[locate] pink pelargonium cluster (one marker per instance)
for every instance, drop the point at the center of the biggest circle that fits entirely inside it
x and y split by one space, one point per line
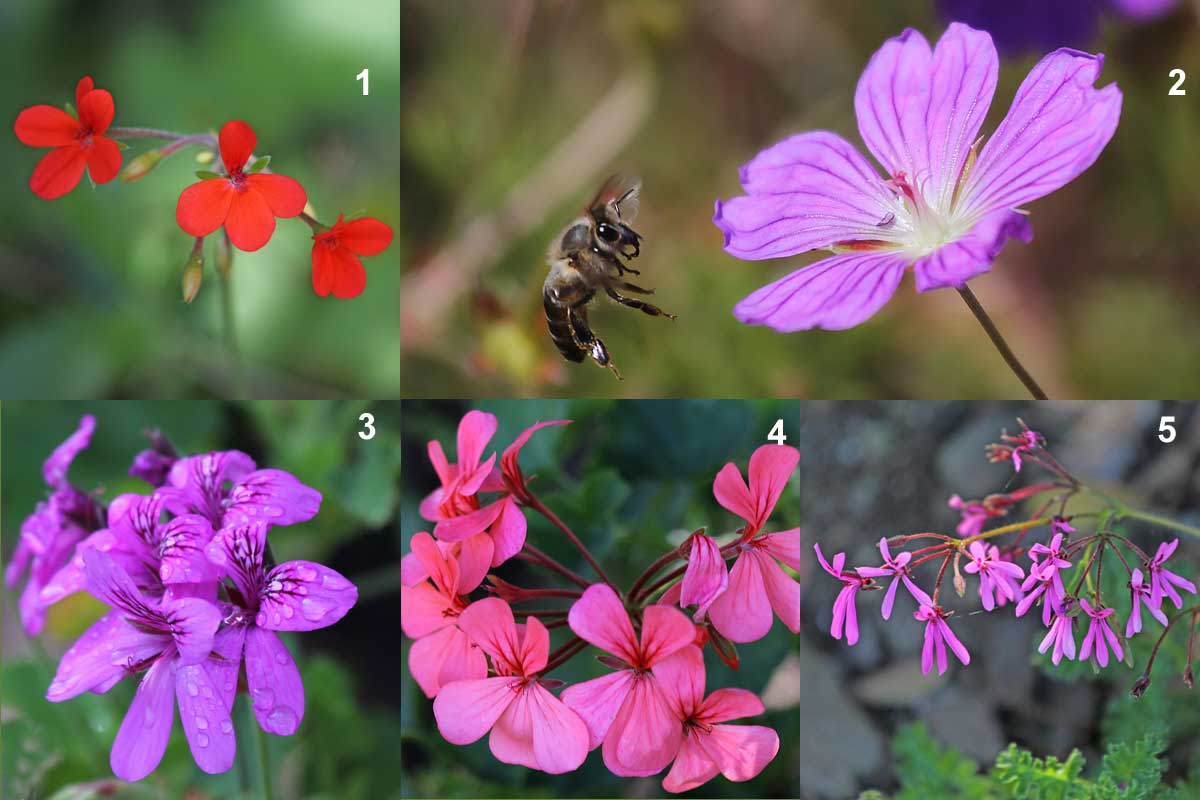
486 673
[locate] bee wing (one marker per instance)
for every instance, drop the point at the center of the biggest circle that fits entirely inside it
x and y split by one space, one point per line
621 191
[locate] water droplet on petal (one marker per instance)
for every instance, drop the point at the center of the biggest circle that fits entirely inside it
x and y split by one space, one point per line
201 723
313 609
282 720
306 573
278 618
202 740
275 586
149 720
207 690
192 688
226 726
260 620
264 698
289 612
281 658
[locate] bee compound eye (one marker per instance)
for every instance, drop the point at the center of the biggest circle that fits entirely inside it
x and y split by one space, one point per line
607 233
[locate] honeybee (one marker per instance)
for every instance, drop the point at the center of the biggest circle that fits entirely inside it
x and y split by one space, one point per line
586 258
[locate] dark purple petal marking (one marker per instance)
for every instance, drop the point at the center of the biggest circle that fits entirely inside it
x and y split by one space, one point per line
304 596
273 496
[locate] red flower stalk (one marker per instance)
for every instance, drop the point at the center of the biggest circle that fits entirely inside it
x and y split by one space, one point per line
77 142
335 264
246 204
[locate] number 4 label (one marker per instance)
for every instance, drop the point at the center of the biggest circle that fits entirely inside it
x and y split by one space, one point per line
776 434
1166 431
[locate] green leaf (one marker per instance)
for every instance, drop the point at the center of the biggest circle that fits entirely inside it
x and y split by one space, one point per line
70 109
259 165
121 145
206 175
1132 770
927 769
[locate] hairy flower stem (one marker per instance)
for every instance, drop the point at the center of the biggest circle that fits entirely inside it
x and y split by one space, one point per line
1155 519
230 335
312 223
539 507
533 594
658 584
670 557
1003 529
531 553
1005 351
1193 612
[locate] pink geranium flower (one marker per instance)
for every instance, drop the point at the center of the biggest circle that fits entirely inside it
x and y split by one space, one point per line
1140 593
528 724
898 567
997 578
757 584
429 613
1163 581
937 636
945 208
739 752
1044 578
845 618
1062 636
704 579
626 710
1098 633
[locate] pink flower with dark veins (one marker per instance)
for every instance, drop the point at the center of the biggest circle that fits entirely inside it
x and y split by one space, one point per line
944 208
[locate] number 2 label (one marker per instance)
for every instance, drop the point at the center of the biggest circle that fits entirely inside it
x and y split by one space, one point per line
1180 76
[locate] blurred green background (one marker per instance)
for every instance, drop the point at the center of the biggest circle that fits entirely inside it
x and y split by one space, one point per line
345 745
497 157
90 298
631 479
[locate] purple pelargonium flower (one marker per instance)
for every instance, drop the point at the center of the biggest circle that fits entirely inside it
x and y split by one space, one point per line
1140 593
226 488
173 641
898 567
293 596
1099 632
845 617
1062 636
49 535
937 636
946 208
998 579
1163 581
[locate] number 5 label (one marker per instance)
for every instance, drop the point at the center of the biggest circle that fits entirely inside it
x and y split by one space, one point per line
1166 431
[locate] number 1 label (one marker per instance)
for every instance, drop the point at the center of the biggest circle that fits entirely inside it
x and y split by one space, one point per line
365 77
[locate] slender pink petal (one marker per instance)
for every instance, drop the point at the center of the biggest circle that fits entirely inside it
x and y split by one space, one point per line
784 545
1057 126
597 702
444 657
927 649
144 732
474 559
726 704
681 679
205 717
771 465
892 103
422 610
782 590
740 751
507 532
664 631
466 710
957 647
835 293
692 766
441 465
474 432
511 739
276 690
732 492
672 595
645 736
743 612
100 656
560 738
490 624
455 529
509 462
807 192
599 618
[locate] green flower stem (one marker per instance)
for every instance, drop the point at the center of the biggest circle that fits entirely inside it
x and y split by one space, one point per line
230 335
538 506
1003 529
264 763
531 553
1002 347
1155 519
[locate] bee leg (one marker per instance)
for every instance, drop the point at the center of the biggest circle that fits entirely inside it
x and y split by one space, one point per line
646 308
593 346
622 269
629 287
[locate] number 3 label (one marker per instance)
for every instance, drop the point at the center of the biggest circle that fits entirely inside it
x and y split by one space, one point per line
368 431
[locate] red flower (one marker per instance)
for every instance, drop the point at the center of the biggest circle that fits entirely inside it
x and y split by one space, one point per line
76 142
246 205
335 255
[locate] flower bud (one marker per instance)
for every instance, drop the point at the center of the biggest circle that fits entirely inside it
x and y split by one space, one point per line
1188 678
224 257
1140 686
193 274
205 157
138 167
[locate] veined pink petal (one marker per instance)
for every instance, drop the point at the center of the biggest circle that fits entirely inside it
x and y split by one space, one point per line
144 732
305 596
421 610
681 679
672 595
441 465
956 646
692 766
1057 126
89 665
645 736
664 631
490 624
807 192
466 710
276 690
205 718
509 459
927 649
442 571
892 101
706 576
511 739
411 571
784 545
771 465
782 591
726 704
560 738
507 532
743 611
599 618
474 559
455 529
474 432
952 265
597 702
740 751
535 646
444 657
835 293
732 492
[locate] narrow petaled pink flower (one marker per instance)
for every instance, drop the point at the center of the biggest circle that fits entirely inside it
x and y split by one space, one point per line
1062 636
997 578
1044 577
626 710
945 208
771 466
739 752
844 615
429 613
1163 581
705 577
937 636
1140 593
510 465
974 515
898 567
528 724
1098 633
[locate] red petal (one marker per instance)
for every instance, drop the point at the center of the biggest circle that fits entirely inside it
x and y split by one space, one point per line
367 236
104 159
250 222
46 126
84 86
203 206
58 172
96 110
237 143
337 270
284 195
